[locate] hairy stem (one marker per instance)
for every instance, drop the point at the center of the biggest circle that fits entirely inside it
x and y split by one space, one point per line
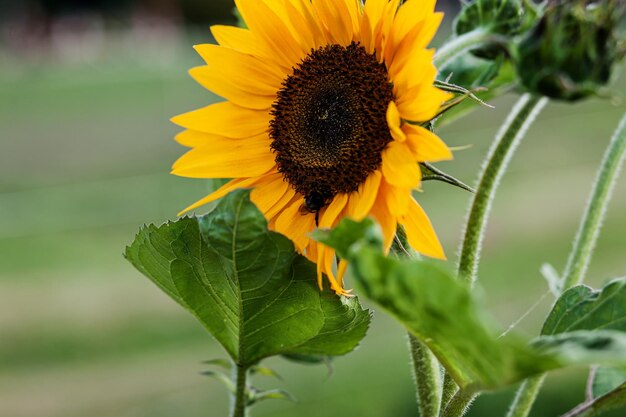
507 140
238 399
426 370
509 137
590 226
427 376
459 403
581 253
459 45
525 397
449 389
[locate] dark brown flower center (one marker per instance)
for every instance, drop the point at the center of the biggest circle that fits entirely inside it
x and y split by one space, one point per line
329 127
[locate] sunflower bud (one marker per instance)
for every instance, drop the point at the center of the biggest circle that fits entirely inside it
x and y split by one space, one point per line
504 18
572 50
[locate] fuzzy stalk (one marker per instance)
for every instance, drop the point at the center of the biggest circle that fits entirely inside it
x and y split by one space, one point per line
582 251
238 406
606 178
427 375
459 403
507 140
459 45
426 369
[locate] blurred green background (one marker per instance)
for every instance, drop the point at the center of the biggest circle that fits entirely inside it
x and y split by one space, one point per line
85 150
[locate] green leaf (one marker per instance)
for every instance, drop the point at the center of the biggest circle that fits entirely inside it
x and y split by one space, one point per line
582 308
584 347
438 309
247 285
607 380
443 313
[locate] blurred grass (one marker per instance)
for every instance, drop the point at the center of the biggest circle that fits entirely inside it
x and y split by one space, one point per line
84 161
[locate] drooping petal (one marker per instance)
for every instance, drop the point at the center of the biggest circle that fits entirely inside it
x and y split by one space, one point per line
421 103
420 232
226 119
360 202
396 198
264 196
399 167
425 145
295 224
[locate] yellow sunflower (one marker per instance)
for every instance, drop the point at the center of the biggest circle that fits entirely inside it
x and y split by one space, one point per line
319 94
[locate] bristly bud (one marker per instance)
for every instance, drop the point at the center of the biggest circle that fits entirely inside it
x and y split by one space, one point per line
571 52
501 18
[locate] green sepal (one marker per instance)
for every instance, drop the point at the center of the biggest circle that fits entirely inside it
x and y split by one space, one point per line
430 173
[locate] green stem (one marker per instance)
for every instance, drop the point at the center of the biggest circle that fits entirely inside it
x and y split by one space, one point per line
459 45
507 141
427 376
525 397
459 403
426 370
590 226
449 389
238 400
580 256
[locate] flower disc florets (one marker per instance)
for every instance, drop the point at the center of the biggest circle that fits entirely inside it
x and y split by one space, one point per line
329 127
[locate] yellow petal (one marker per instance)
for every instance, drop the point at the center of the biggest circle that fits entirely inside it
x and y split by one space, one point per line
425 145
265 195
227 159
269 28
360 203
420 232
233 90
396 198
372 12
253 74
226 119
387 222
341 271
421 103
305 8
296 224
394 122
412 70
241 40
399 167
336 19
329 215
222 191
325 262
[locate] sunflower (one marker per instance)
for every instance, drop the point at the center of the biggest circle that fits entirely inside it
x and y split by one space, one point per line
323 100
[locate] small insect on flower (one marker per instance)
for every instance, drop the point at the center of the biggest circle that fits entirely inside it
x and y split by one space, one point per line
318 99
313 203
